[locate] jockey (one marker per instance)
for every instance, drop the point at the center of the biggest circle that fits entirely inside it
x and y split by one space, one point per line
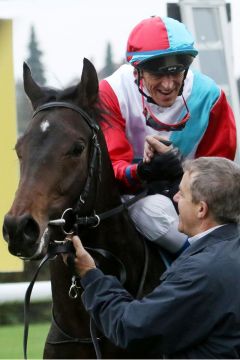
158 96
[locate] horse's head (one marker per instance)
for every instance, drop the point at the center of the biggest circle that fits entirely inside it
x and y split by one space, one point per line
54 153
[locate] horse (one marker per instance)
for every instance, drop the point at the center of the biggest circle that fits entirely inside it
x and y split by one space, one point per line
66 173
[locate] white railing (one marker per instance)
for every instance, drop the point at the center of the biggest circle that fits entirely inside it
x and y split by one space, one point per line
15 292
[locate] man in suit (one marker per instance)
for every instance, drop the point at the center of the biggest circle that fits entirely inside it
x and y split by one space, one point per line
194 312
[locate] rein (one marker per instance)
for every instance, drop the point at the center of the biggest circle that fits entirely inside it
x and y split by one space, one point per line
56 248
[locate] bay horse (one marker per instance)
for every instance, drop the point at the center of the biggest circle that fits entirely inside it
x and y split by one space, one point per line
64 163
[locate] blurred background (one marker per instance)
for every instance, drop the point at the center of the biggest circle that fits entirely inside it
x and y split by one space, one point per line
53 37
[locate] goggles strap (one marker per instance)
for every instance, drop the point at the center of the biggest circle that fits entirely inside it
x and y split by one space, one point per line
155 123
184 77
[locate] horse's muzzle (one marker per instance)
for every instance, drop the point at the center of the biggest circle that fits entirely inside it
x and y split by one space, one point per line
22 234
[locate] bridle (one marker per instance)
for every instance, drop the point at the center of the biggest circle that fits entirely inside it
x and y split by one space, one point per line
96 151
88 221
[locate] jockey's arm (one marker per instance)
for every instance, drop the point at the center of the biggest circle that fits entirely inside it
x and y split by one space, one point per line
119 148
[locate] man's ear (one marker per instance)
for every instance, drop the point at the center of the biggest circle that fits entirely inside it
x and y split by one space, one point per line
203 210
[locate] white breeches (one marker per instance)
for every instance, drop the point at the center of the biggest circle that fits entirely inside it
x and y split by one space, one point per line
156 218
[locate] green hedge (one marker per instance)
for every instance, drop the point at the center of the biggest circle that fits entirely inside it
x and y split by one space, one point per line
14 313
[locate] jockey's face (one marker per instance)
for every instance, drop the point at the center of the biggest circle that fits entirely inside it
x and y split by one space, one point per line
163 89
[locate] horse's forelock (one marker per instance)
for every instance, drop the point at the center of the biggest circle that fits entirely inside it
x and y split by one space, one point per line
68 95
49 94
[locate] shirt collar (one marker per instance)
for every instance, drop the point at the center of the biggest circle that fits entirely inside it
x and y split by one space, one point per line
194 238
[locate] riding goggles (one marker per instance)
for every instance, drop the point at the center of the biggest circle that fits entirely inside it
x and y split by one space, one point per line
167 70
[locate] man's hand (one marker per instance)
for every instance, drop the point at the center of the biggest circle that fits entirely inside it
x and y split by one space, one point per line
83 261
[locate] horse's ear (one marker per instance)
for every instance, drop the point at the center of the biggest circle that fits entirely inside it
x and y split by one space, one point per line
87 89
32 89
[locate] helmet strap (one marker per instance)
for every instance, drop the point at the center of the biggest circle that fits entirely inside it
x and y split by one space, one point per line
184 77
138 82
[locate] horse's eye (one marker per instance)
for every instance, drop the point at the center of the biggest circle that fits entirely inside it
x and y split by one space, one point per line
76 150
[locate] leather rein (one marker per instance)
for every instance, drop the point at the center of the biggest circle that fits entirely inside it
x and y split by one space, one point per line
59 247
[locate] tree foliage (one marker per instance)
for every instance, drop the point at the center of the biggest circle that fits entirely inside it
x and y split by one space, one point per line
24 108
109 66
109 60
34 59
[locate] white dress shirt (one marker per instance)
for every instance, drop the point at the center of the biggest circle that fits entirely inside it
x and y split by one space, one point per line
194 238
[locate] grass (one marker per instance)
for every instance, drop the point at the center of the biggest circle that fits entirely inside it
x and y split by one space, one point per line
11 341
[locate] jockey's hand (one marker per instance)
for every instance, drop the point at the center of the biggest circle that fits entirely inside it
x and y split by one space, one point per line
155 144
83 262
166 166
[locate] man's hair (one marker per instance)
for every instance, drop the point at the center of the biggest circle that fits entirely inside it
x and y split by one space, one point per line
216 181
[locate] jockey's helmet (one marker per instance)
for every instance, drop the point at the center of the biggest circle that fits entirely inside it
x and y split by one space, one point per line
160 45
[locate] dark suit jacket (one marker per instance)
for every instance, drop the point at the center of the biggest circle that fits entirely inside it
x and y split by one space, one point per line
193 313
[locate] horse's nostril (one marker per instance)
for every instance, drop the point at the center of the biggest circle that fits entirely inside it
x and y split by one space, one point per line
30 230
20 231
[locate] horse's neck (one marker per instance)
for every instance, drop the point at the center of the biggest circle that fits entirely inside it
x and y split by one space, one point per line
115 234
65 309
